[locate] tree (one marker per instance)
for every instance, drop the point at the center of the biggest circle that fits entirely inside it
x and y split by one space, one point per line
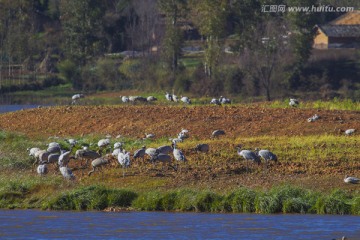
209 16
268 54
82 21
173 39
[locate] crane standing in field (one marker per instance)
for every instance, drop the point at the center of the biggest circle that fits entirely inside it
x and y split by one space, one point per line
124 160
42 169
248 155
75 98
98 163
178 155
266 155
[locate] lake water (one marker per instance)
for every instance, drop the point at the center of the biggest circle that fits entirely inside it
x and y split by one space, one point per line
12 108
34 224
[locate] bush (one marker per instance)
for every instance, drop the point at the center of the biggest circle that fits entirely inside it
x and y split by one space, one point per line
207 202
121 198
150 201
336 203
91 198
242 200
186 200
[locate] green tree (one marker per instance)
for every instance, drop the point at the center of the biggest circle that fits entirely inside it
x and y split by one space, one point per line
173 39
209 16
82 21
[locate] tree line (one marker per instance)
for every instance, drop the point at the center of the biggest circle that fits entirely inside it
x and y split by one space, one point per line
244 49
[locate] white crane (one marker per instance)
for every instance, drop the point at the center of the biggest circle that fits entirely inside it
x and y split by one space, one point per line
353 180
149 135
350 131
185 100
215 101
151 99
75 98
168 96
124 99
293 102
224 100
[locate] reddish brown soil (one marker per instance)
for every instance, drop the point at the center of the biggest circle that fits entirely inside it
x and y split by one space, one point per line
236 121
134 121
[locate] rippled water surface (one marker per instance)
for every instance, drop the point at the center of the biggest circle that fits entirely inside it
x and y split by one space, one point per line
33 224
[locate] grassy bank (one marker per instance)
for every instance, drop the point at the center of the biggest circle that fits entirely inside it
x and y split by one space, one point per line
281 199
20 187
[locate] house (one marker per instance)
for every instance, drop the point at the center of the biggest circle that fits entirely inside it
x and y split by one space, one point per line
343 32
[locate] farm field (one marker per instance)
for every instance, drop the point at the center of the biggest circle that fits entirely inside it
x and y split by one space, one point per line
312 155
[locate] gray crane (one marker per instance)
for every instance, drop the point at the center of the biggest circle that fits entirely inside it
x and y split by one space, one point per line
42 169
202 147
266 155
248 155
178 155
41 156
124 160
353 180
140 153
98 163
64 158
67 173
217 133
86 154
163 158
53 149
103 143
151 152
165 149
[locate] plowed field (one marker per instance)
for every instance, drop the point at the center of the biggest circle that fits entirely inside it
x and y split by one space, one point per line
134 121
236 121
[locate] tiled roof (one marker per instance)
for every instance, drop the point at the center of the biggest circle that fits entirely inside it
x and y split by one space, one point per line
350 18
341 30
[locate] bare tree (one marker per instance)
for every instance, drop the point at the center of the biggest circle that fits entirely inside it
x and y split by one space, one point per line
268 54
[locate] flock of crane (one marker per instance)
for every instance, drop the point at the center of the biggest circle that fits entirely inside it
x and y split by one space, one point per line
169 155
55 155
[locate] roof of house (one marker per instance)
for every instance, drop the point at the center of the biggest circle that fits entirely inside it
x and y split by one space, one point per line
349 18
340 30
